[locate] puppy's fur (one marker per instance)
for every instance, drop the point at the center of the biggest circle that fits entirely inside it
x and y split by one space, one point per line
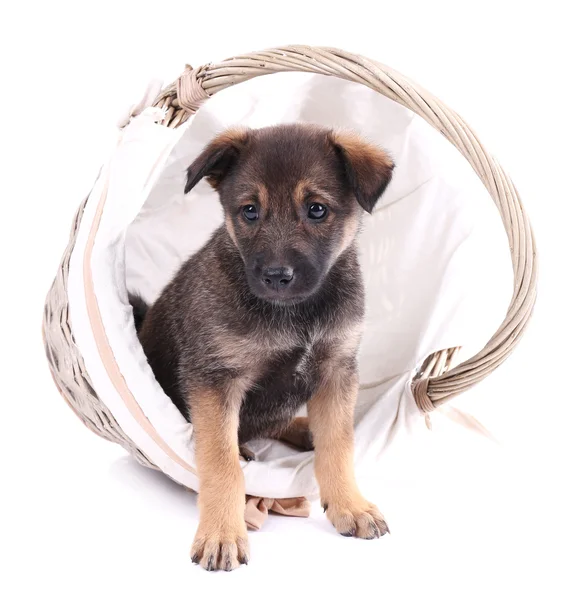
267 317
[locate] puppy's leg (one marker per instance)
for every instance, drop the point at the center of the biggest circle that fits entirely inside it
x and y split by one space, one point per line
221 540
330 414
298 434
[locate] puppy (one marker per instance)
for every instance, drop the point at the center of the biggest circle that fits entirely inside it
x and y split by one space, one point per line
267 318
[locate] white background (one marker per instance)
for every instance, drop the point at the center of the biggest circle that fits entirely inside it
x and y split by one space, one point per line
469 518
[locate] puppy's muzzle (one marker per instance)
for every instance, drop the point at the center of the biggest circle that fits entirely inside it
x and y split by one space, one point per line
277 278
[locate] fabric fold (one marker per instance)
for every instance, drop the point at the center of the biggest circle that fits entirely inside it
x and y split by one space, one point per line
257 509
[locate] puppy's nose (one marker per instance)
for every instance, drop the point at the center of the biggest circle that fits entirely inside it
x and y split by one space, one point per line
277 277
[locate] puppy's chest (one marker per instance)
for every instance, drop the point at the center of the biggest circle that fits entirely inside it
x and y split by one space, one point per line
286 357
285 360
297 353
286 374
299 362
258 350
286 382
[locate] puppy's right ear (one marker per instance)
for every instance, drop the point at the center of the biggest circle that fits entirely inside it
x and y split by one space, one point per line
216 159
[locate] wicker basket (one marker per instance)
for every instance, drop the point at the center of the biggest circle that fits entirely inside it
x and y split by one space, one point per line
436 382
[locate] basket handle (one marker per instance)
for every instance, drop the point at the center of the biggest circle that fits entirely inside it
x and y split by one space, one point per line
431 388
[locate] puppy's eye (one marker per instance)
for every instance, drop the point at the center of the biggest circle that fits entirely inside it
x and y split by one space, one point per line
316 211
250 212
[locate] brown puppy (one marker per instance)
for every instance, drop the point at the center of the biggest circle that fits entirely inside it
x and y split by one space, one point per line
267 317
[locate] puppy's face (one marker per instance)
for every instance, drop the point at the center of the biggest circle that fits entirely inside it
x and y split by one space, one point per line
292 196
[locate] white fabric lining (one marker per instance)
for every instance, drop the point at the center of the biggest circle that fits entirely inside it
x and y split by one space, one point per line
433 253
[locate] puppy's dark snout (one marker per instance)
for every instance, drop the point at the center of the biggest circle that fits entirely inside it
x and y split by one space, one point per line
277 277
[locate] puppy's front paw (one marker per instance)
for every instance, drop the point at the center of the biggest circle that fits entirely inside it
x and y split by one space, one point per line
357 518
226 548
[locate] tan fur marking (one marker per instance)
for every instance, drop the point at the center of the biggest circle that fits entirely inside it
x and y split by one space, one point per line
221 539
331 420
351 227
363 154
370 167
306 186
263 196
234 136
300 191
230 229
298 434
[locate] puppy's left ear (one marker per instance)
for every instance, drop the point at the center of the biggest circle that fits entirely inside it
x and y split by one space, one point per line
367 168
217 158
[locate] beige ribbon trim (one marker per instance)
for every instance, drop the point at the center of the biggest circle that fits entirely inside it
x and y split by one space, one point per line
257 509
467 421
104 348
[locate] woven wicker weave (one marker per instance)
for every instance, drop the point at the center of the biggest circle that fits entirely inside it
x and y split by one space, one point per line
436 382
